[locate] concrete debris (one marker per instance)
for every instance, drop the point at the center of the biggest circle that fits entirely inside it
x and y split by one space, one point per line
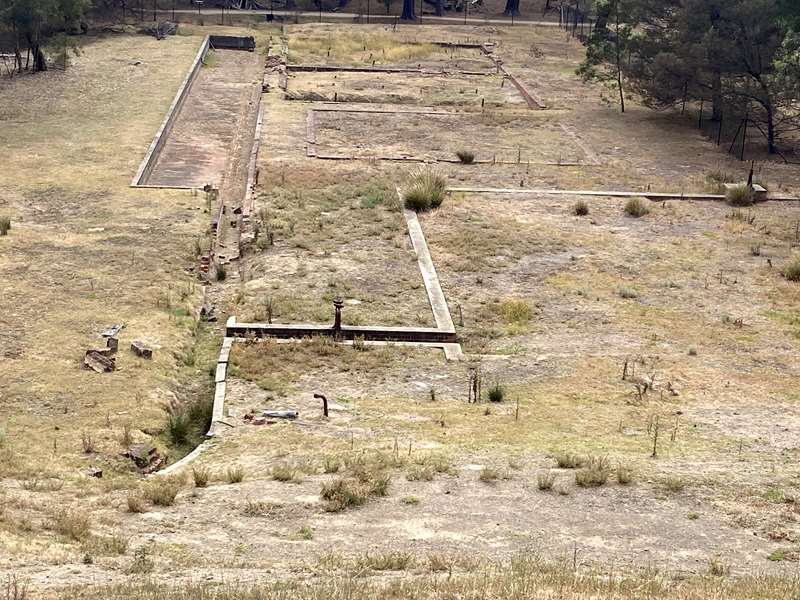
141 350
145 457
102 360
113 330
207 313
281 414
161 30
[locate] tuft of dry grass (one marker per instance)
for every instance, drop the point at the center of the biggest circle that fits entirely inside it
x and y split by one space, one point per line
162 490
739 195
545 481
426 190
201 476
636 207
71 523
791 270
594 473
234 474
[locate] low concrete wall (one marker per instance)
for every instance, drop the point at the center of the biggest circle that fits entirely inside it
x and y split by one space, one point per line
348 332
149 161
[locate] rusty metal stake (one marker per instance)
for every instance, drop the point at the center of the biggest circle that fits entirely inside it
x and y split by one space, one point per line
324 403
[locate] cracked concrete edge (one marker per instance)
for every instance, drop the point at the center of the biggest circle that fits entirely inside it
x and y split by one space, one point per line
658 196
441 312
159 139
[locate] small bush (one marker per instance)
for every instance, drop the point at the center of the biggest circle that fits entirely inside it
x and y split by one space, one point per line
545 481
5 225
305 533
420 473
467 157
674 484
569 460
717 568
624 474
791 270
489 474
627 293
331 465
286 473
342 493
496 393
515 312
580 208
426 190
261 508
636 207
201 476
594 473
234 474
72 524
135 503
161 491
739 195
409 500
179 428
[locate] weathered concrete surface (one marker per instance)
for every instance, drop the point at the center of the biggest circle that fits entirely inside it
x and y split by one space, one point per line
199 146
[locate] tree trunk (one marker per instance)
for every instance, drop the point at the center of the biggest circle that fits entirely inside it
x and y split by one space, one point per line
439 8
409 14
770 129
39 62
716 97
512 8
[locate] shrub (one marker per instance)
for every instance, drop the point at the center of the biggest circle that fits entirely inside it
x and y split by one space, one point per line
5 225
569 460
342 493
409 500
136 503
489 474
201 476
234 474
674 484
791 270
627 293
286 472
426 190
624 474
580 208
467 157
739 195
420 473
545 481
496 393
717 568
72 524
178 428
636 207
161 491
594 473
331 465
515 311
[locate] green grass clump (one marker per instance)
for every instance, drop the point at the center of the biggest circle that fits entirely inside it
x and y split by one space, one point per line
636 207
739 195
426 190
515 311
496 393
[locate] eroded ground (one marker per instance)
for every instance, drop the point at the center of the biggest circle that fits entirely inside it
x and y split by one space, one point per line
549 306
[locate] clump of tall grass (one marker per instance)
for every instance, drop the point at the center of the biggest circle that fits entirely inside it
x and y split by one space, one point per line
426 190
739 195
5 225
791 270
636 207
466 157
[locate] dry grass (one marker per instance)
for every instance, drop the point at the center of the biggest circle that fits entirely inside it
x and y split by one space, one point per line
358 48
522 578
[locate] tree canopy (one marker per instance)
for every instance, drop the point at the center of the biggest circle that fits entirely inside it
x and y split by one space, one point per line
32 22
739 56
